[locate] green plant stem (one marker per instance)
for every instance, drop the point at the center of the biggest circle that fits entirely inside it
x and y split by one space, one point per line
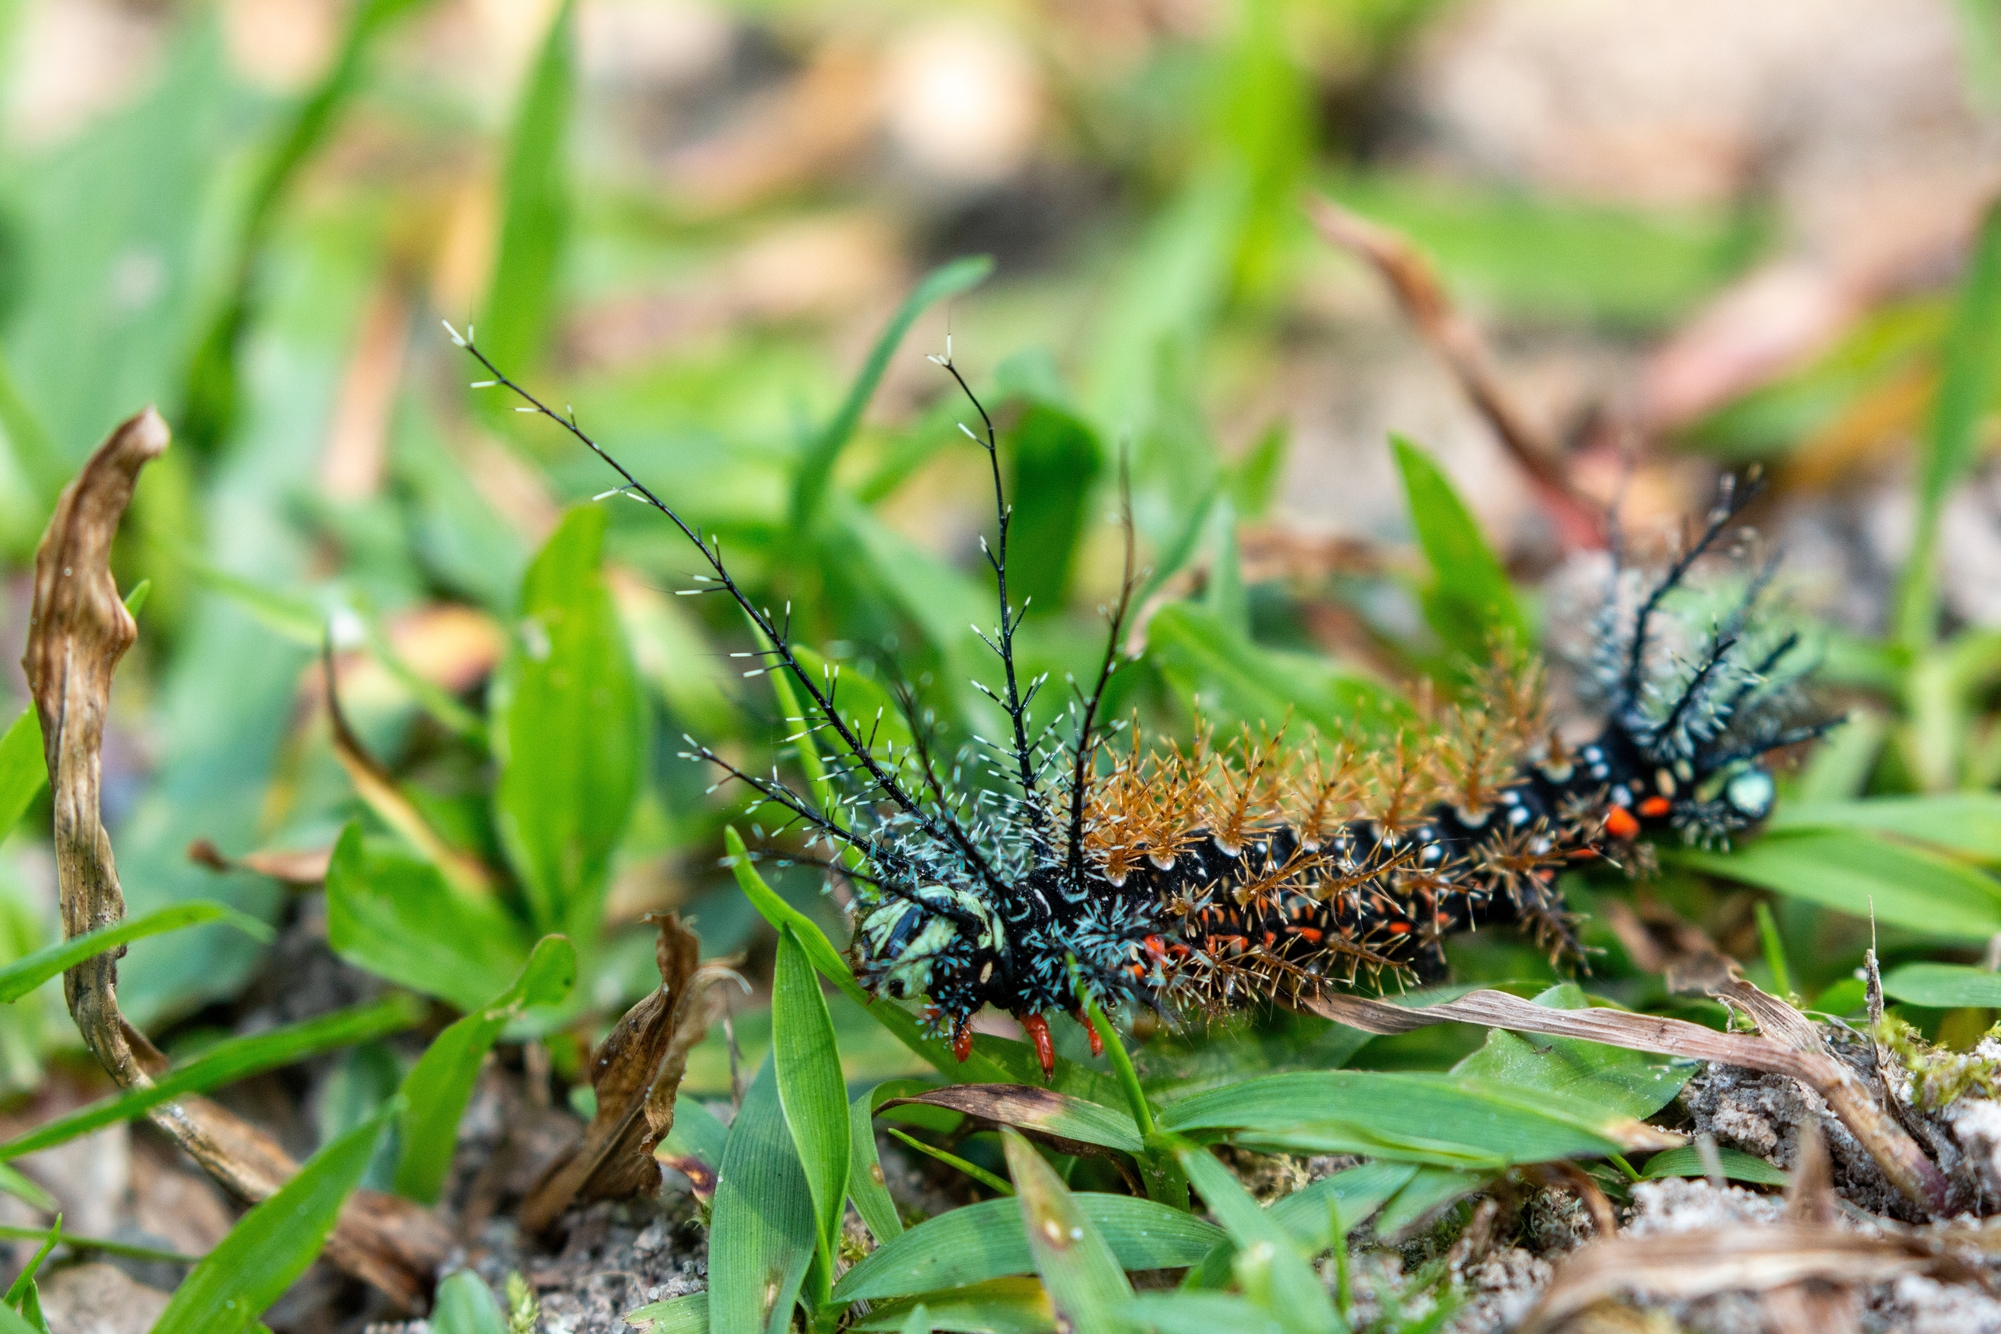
1122 1063
1775 948
973 1170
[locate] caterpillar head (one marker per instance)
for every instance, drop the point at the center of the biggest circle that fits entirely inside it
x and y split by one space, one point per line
936 941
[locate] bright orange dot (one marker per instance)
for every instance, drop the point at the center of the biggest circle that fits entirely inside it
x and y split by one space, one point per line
1654 807
1619 823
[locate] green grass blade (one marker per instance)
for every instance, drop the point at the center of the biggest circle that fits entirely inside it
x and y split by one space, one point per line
1469 602
103 1244
1737 1166
236 1059
1238 681
1584 1075
678 1315
1943 986
816 466
810 1087
24 771
866 1186
1863 876
1003 1306
761 1229
1199 1313
22 976
1122 1061
1305 1214
24 1281
465 1305
1968 823
978 1242
272 1244
439 1086
536 209
1952 444
1292 1291
1082 1276
21 1187
952 1160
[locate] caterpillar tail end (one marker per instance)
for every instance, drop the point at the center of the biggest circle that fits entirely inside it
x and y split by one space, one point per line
1045 1046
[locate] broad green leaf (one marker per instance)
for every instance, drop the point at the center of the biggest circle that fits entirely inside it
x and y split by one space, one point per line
1968 823
1972 355
761 1226
225 1063
1002 1306
1423 1196
1057 459
568 730
1469 602
1082 1275
22 976
1577 1074
1200 1313
1943 986
1401 1115
697 1131
439 1087
274 1243
677 1315
535 209
465 1305
982 1241
393 915
24 771
1737 1165
816 465
13 1322
1235 680
1864 876
866 1187
824 957
1290 1289
919 1320
809 1083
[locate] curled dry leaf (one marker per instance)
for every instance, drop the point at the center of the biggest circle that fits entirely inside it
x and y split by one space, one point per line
1458 343
1701 1263
1788 1044
78 631
295 868
635 1073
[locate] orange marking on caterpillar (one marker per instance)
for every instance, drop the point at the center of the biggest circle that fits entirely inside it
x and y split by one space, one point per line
1045 1047
1619 823
1654 807
962 1042
1091 1031
1310 934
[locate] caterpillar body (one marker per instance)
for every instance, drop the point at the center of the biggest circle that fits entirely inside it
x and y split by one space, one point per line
1273 864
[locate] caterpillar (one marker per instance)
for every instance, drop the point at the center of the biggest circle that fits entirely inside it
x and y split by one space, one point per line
1079 861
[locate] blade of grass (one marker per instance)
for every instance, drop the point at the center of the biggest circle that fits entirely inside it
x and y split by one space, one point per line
1293 1291
24 1282
866 1187
1469 601
678 1315
24 769
978 1242
223 1064
536 211
12 1182
1966 388
1774 948
762 1226
810 1087
22 976
274 1243
439 1087
104 1244
816 465
1085 1283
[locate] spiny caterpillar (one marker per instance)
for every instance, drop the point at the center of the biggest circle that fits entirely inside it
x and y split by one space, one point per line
1222 875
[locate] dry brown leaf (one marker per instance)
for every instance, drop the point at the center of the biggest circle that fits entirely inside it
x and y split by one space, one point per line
1682 1265
1789 1045
635 1073
301 868
379 789
78 631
